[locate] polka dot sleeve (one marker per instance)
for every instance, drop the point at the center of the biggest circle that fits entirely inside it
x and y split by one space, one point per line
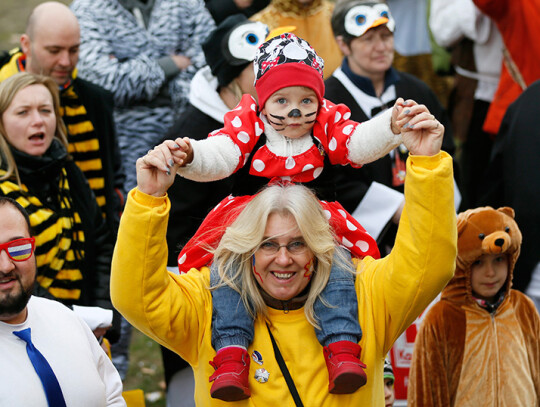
333 129
243 126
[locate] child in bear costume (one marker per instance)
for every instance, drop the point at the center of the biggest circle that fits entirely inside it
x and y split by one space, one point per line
480 344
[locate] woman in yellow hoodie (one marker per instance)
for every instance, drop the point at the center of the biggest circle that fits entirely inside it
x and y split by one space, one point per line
286 244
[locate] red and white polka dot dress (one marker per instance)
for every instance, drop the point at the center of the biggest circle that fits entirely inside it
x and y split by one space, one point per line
244 127
332 129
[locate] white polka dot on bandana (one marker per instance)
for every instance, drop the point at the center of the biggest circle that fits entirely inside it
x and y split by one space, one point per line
363 245
347 130
290 163
346 242
243 137
333 144
258 130
237 122
258 165
182 259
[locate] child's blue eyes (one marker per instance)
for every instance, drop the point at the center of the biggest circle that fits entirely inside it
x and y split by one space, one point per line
283 101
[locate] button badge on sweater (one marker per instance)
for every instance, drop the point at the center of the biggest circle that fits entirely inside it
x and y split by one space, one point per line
257 357
262 375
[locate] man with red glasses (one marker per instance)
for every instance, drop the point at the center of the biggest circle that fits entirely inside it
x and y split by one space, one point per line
49 355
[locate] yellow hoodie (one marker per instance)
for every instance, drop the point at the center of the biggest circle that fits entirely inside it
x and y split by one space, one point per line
176 311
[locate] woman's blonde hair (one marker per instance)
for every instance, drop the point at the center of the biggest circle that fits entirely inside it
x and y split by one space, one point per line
242 239
8 90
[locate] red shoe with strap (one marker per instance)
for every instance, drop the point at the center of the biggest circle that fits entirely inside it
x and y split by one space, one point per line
345 370
231 375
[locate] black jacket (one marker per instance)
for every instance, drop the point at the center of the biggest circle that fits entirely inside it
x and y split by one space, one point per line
99 106
353 183
513 177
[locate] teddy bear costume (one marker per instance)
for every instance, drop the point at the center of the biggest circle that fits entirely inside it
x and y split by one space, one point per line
467 352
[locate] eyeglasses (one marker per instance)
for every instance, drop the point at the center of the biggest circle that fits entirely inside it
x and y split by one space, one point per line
294 247
19 249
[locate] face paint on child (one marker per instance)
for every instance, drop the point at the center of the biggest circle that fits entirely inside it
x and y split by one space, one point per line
292 111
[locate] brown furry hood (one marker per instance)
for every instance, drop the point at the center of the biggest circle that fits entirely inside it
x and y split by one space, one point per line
482 231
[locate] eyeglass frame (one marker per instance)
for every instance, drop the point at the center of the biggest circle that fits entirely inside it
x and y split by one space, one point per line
5 246
277 247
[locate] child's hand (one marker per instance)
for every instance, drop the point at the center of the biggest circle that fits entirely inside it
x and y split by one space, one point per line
156 169
421 131
399 106
184 146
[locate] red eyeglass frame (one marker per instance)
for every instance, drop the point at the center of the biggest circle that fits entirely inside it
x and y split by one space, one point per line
5 246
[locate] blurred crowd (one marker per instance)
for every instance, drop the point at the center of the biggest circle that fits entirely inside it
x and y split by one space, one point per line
112 79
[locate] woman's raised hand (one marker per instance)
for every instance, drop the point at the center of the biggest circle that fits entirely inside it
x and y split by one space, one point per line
421 131
156 169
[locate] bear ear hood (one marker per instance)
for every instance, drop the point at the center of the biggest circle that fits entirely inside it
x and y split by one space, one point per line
483 231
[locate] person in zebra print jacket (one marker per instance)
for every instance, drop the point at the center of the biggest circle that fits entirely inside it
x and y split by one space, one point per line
146 54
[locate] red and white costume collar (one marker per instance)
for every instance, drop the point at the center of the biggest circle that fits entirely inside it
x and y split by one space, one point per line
298 160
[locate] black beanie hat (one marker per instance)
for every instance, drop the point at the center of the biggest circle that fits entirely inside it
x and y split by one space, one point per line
232 46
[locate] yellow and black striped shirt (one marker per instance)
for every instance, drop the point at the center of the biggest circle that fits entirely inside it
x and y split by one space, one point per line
83 144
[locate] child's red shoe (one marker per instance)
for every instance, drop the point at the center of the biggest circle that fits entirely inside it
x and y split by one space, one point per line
345 370
231 375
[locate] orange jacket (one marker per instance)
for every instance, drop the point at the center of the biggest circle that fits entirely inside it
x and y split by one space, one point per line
518 23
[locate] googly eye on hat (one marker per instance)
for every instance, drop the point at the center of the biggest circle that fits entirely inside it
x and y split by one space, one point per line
232 46
354 18
241 43
361 18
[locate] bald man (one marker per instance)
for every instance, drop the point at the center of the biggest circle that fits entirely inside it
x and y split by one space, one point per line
50 47
51 42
